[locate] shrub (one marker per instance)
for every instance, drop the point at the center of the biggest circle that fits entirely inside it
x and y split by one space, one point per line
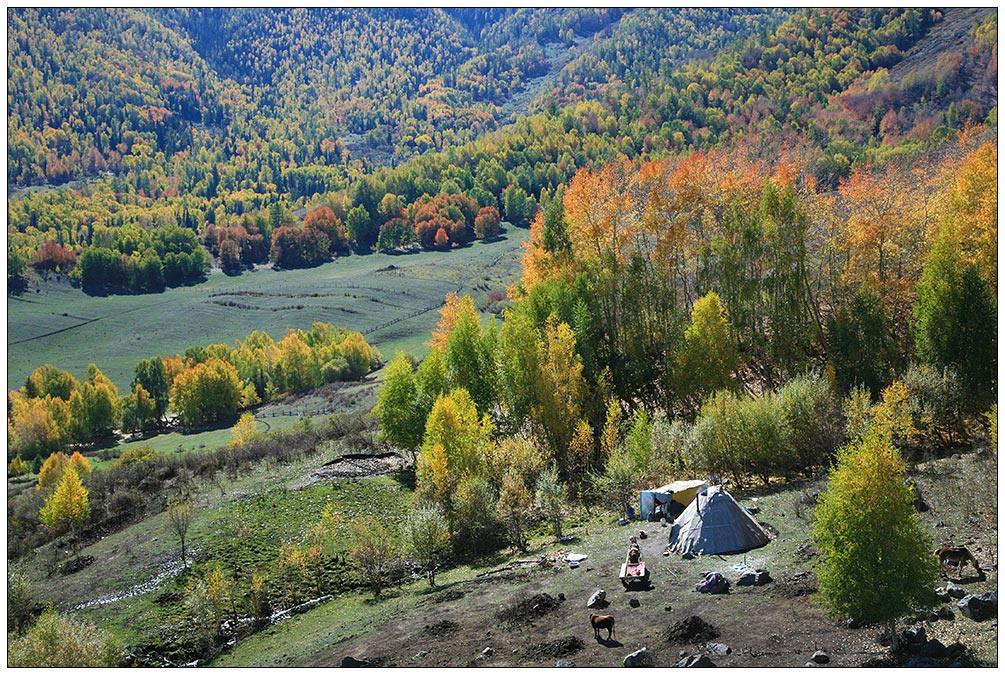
57 641
473 518
371 551
426 537
812 421
935 398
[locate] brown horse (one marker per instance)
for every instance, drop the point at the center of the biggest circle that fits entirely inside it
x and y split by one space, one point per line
602 622
958 556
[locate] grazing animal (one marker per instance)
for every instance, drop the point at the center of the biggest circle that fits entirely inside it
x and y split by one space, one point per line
959 556
602 622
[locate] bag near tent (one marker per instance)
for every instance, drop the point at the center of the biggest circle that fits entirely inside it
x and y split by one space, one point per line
715 524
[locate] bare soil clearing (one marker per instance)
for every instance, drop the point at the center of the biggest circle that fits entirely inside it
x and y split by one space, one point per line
518 615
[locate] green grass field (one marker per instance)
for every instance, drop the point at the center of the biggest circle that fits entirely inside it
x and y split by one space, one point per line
394 308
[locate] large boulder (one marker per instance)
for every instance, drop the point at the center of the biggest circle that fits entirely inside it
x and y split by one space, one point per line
639 658
598 600
979 608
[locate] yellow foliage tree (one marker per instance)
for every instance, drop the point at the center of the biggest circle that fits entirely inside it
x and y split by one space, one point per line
560 389
244 431
68 506
973 210
52 470
453 308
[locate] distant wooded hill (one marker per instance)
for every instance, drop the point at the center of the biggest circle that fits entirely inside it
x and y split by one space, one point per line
228 122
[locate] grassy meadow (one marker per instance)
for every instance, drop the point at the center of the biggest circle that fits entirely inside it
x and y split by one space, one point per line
391 299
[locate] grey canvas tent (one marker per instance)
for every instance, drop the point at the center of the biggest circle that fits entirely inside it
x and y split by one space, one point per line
714 524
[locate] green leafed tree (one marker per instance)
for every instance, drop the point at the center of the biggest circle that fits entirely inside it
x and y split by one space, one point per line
401 421
956 323
470 360
151 375
708 356
875 556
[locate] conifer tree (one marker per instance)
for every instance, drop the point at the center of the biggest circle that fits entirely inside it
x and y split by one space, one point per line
875 556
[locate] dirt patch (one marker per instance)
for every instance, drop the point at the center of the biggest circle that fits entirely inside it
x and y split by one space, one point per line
75 565
441 628
449 595
526 611
806 552
168 598
691 630
563 647
799 584
359 465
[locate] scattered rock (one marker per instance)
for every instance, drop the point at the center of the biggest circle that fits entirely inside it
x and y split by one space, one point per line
913 637
487 652
634 603
565 663
979 608
933 648
598 600
561 597
954 456
945 613
690 630
820 657
639 658
422 653
955 591
810 664
695 661
853 623
350 661
754 578
718 649
668 608
940 524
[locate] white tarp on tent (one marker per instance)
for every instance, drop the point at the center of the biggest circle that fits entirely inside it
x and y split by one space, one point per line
715 524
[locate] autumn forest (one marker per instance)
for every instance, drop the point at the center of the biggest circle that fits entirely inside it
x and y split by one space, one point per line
567 254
